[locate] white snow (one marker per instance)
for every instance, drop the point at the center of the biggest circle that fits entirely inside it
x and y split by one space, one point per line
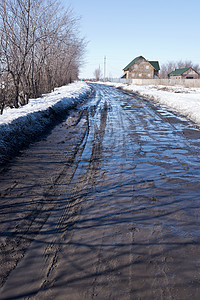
66 95
184 101
19 126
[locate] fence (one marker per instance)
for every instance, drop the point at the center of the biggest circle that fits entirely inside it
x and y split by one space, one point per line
167 82
120 80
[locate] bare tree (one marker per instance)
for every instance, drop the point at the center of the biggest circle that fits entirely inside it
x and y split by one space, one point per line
40 47
97 73
15 40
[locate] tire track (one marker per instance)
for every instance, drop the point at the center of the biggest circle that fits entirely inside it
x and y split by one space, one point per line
14 247
76 191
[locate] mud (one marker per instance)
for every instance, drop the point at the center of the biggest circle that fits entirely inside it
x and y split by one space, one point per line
105 207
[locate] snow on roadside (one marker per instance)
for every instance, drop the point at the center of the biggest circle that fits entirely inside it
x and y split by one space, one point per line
185 101
19 126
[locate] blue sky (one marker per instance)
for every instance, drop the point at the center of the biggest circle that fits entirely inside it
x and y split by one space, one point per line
121 30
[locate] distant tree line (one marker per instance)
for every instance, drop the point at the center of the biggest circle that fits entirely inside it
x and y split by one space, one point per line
171 65
40 49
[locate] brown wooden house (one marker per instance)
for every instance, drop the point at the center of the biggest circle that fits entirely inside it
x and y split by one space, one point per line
140 68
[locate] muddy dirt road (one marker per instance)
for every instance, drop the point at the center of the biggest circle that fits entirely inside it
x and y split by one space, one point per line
107 206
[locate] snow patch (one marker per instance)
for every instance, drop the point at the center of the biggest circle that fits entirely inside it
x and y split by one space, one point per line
20 126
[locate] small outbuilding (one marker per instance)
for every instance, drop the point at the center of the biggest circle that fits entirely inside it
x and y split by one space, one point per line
140 68
184 73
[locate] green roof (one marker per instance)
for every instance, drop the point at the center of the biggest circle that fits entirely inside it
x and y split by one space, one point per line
155 64
179 71
132 62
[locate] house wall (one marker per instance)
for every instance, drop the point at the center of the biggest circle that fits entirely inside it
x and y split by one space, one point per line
176 77
191 73
141 69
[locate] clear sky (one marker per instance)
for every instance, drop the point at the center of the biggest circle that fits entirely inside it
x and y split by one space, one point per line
122 30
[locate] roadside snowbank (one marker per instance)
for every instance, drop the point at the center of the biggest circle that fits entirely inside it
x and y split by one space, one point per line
20 126
185 101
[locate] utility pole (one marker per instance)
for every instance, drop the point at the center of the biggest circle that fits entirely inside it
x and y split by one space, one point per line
104 68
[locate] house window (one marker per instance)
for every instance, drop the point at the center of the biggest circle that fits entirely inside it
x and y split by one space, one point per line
135 66
140 75
147 67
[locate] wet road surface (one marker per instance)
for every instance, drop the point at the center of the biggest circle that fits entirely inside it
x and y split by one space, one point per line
107 206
